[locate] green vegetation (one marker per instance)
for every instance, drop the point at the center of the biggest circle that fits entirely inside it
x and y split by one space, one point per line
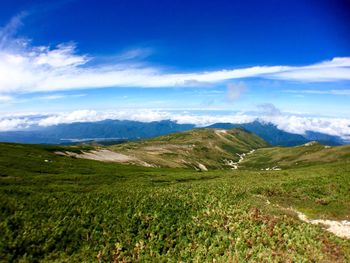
61 209
298 156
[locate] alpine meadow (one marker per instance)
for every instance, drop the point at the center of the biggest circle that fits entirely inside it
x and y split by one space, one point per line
174 131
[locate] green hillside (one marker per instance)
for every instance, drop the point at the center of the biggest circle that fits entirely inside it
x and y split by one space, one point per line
199 148
298 156
208 149
60 209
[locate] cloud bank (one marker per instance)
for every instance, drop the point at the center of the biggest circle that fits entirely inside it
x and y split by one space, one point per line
287 122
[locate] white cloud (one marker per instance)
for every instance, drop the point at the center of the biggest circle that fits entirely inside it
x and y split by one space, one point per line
26 69
287 122
61 57
309 74
299 125
44 69
15 123
75 116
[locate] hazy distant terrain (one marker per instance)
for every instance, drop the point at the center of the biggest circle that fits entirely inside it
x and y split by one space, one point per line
114 130
103 130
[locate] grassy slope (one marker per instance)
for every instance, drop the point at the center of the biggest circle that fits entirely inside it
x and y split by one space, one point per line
73 210
187 149
298 156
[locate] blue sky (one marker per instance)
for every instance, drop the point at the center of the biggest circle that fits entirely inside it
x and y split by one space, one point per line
219 57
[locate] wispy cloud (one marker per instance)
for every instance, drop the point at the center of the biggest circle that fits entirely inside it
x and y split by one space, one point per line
26 69
135 53
51 97
342 92
59 96
7 33
234 91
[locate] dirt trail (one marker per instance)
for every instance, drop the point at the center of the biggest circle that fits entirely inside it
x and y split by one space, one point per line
339 228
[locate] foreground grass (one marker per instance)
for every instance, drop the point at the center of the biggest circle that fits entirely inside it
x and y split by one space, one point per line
54 208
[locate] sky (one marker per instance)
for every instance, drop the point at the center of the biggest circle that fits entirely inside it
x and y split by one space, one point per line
285 62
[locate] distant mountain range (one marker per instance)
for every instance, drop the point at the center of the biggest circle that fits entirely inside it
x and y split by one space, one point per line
98 131
121 130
